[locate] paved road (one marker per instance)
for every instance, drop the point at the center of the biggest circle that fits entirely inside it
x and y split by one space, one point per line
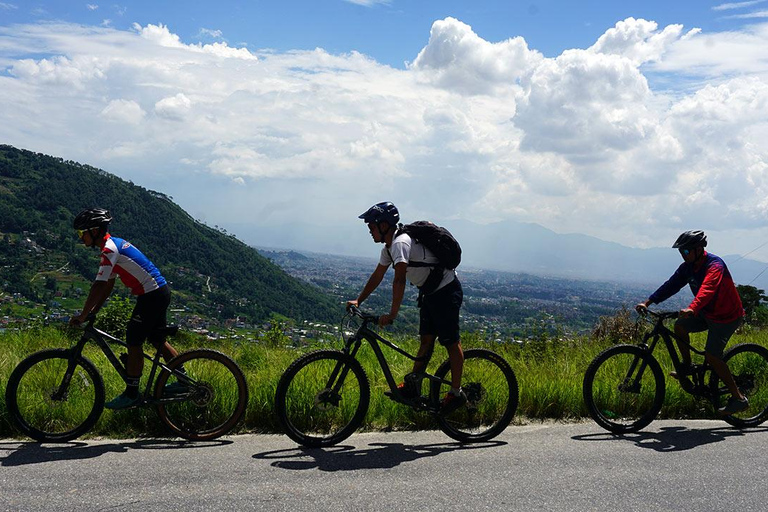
673 465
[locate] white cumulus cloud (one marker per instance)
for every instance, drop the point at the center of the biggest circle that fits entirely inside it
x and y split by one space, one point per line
648 131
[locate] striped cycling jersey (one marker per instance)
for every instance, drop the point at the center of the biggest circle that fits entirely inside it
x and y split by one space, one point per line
135 270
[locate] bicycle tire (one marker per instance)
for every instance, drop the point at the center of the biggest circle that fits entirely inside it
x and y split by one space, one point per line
215 398
492 397
308 408
748 363
35 411
611 402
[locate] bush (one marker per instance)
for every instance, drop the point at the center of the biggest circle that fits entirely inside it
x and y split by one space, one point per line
113 317
619 328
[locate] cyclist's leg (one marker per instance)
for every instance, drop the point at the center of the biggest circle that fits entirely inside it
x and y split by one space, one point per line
425 353
444 306
135 335
157 319
427 335
717 338
683 328
456 357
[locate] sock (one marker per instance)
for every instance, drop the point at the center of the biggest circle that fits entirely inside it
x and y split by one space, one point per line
456 391
132 387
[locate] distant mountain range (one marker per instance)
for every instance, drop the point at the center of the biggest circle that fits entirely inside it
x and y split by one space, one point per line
513 247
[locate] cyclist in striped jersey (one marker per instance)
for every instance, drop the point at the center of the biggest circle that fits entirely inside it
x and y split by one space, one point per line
119 258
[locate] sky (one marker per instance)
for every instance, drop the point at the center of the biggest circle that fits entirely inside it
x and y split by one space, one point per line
629 121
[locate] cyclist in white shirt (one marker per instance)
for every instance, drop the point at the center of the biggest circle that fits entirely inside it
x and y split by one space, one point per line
439 309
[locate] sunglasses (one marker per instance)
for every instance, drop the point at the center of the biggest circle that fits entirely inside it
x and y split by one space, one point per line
81 232
685 252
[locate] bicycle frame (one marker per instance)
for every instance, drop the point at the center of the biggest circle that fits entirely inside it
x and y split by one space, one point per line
102 340
364 332
698 387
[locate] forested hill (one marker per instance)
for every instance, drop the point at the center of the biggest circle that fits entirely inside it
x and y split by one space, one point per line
40 195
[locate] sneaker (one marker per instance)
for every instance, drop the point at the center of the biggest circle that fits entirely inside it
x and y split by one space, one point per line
452 402
123 401
734 405
177 388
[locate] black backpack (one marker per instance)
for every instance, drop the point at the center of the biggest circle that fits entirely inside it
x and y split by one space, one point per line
437 239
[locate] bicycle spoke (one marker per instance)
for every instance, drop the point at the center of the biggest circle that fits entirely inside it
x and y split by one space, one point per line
207 404
623 388
322 398
749 365
45 406
491 390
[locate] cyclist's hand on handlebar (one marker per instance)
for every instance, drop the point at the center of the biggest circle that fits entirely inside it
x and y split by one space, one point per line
351 303
686 313
642 308
386 320
76 321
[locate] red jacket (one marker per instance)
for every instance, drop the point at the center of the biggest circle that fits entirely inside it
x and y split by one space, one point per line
715 295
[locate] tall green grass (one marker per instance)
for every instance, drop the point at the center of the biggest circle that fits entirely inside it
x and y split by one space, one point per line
549 374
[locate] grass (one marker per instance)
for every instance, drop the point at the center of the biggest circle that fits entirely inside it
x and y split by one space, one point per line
549 375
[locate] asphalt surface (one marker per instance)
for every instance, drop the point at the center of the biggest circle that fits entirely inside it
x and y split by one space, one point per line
672 465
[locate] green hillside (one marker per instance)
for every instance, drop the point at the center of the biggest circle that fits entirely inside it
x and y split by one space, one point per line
40 195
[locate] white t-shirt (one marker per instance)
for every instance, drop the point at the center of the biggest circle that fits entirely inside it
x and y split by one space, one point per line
404 249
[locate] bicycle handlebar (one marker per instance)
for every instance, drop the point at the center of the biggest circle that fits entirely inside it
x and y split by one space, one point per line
660 315
367 317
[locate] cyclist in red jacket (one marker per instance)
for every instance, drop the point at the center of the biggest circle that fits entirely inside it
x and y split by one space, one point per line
716 308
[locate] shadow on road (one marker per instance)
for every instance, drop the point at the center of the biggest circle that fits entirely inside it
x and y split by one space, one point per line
20 453
376 456
672 439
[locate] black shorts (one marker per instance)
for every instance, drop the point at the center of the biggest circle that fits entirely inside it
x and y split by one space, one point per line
439 314
149 315
718 334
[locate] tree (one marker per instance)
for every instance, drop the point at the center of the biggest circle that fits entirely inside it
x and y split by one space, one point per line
752 299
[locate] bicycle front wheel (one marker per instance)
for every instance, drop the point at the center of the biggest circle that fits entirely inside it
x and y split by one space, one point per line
492 396
749 365
53 398
207 400
624 388
322 398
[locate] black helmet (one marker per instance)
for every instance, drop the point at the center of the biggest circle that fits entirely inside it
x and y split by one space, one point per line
381 212
92 218
691 240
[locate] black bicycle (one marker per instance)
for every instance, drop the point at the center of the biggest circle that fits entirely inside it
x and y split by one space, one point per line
57 395
323 396
624 385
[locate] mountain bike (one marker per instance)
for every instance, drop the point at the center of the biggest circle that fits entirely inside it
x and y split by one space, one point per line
624 385
57 395
323 396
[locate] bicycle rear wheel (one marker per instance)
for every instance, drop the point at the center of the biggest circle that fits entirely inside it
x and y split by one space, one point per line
492 396
749 365
624 388
322 398
205 402
52 401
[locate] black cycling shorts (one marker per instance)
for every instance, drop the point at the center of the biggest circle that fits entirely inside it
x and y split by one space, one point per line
718 333
149 315
439 314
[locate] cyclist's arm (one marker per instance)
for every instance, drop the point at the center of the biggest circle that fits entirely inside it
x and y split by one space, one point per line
708 289
673 285
100 291
398 291
371 285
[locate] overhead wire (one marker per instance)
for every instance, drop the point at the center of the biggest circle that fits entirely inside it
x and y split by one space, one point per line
747 254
